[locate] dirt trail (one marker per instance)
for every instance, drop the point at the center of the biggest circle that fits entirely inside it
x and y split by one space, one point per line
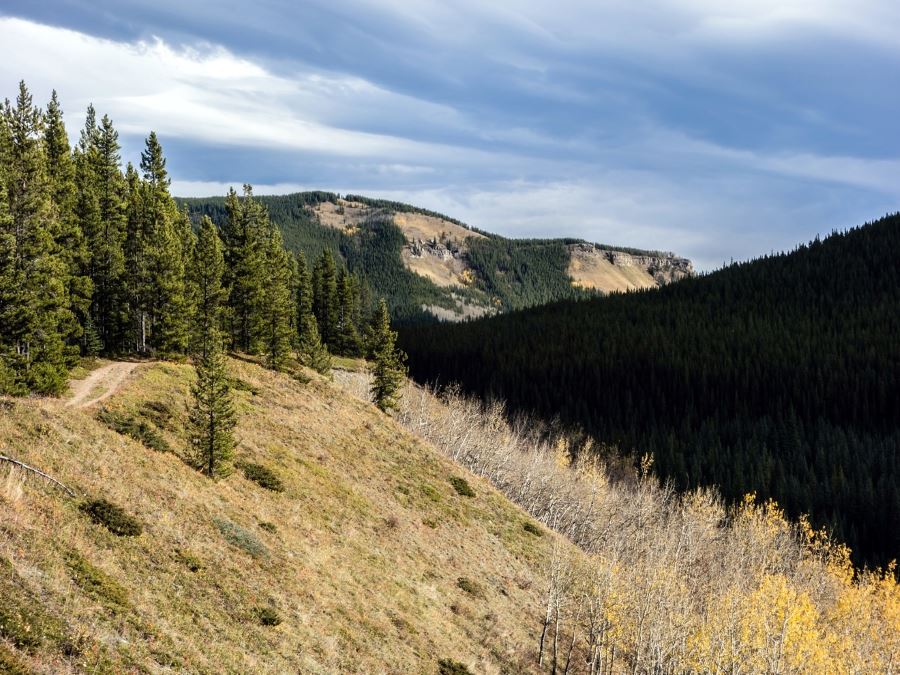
109 377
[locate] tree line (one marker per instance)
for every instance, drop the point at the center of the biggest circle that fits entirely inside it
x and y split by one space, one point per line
779 376
97 260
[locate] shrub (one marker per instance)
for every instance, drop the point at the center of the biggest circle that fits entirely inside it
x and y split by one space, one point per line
242 385
160 413
95 582
243 539
461 486
140 430
470 587
189 560
451 667
430 492
113 517
269 527
531 528
262 476
268 616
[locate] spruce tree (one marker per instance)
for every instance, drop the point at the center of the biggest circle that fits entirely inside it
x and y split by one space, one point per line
304 295
325 298
244 239
277 301
348 340
212 417
69 235
313 354
37 320
207 294
165 252
107 240
389 363
138 277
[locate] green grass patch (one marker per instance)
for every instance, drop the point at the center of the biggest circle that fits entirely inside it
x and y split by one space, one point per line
244 539
95 582
462 486
138 429
113 517
531 528
262 476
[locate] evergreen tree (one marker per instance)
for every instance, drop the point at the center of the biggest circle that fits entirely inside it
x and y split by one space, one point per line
348 340
244 265
165 252
313 354
277 301
207 295
107 238
37 319
389 366
69 236
325 298
304 295
212 417
138 278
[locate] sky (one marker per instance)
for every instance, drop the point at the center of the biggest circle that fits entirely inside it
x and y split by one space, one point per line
718 130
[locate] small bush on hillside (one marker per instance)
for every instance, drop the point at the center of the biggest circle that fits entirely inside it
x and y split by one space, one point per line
269 527
451 667
430 492
470 587
462 487
112 517
189 560
160 413
95 582
268 616
243 539
140 430
531 528
262 476
237 384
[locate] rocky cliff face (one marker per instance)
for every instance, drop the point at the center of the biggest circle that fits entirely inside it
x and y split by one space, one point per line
663 267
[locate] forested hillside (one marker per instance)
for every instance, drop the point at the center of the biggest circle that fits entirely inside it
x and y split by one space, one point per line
779 376
499 274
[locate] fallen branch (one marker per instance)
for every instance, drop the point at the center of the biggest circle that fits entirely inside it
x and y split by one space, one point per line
22 465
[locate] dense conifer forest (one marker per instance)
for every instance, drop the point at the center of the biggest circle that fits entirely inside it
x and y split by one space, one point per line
779 376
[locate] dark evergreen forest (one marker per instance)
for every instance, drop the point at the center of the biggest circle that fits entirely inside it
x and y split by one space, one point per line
779 376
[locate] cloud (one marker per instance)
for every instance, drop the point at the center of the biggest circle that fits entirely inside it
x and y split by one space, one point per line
697 126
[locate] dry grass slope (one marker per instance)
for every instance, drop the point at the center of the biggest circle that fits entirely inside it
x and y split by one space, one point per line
353 567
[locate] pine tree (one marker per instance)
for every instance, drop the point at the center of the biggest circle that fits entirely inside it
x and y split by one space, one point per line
37 320
325 298
212 417
138 278
304 295
389 363
243 238
348 340
69 235
207 294
165 254
107 240
313 354
277 303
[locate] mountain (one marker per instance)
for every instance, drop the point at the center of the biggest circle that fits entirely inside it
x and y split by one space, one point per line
779 376
428 264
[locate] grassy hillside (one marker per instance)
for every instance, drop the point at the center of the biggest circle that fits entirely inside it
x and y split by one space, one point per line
779 376
369 560
418 258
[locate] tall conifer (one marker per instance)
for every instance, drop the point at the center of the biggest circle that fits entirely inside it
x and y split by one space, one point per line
207 294
212 417
389 363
